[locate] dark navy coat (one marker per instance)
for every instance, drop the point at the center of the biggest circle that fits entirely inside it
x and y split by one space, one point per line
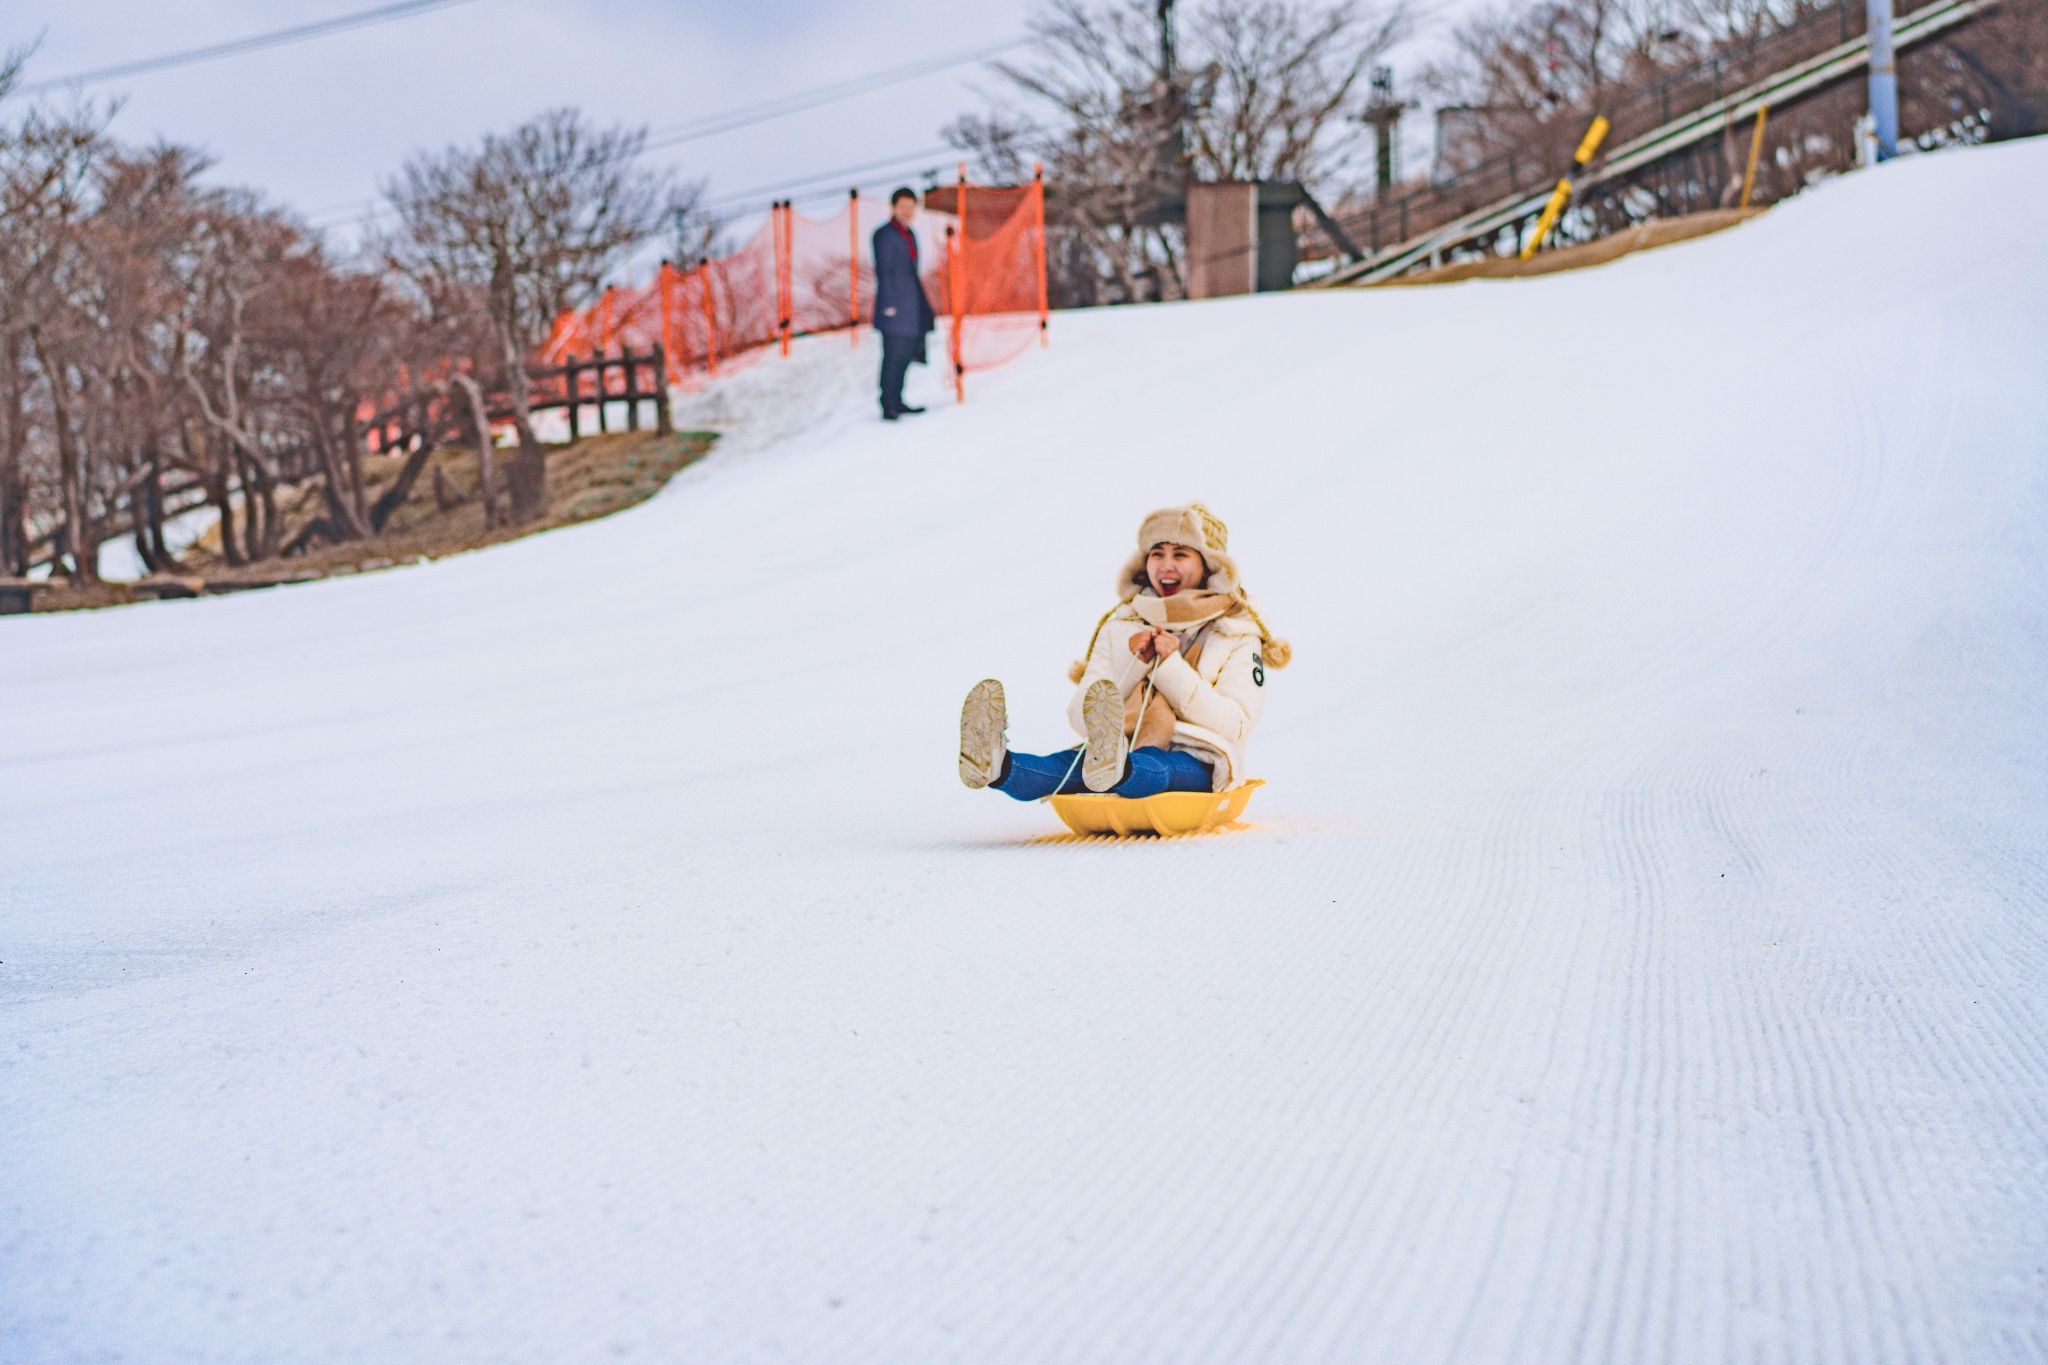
901 309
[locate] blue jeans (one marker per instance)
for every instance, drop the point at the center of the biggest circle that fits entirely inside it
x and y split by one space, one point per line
1150 772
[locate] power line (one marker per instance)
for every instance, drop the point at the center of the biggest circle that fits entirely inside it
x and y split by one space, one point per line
833 176
727 120
710 125
333 218
740 203
276 38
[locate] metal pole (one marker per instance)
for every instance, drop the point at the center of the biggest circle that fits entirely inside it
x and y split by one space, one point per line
1884 79
1172 150
1168 57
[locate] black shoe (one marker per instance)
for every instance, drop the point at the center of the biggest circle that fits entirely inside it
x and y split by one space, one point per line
890 416
908 407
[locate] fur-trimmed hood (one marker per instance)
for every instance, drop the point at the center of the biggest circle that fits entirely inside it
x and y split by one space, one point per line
1194 526
1202 531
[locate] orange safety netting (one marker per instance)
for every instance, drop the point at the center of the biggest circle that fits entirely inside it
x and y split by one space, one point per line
800 275
995 267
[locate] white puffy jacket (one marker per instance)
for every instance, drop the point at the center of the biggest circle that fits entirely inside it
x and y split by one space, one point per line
1217 701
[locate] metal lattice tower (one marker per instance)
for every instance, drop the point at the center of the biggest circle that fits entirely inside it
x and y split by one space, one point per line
1384 112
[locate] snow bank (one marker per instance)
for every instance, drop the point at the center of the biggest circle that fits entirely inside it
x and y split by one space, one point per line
583 950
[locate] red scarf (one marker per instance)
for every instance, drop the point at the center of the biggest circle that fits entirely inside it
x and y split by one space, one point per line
909 239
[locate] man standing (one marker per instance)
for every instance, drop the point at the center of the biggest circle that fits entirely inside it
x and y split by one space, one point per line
903 315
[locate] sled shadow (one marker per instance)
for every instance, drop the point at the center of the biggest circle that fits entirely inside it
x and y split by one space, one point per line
1067 837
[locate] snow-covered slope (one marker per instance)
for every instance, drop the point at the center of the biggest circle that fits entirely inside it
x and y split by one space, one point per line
583 950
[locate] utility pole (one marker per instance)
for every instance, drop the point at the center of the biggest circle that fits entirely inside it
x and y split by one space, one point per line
1171 103
1167 59
1884 79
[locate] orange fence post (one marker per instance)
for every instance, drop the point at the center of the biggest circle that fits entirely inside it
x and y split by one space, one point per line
953 303
710 322
784 222
956 282
990 278
668 336
671 371
853 264
1038 197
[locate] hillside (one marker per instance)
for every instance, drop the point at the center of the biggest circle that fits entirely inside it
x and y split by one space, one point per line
441 513
583 950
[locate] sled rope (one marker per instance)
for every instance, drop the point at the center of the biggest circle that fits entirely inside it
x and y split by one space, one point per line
1067 776
1277 651
1081 752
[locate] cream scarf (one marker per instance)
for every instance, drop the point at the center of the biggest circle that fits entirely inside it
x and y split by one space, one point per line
1148 719
1183 611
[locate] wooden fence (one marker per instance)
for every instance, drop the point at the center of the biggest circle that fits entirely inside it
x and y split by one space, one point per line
411 425
599 381
594 382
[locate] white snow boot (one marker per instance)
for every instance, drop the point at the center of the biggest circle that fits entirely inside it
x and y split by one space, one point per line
983 739
1102 711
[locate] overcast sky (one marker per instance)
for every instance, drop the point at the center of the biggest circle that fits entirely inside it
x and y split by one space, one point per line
317 124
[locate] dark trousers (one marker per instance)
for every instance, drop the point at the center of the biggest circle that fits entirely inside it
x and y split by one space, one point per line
1151 772
897 355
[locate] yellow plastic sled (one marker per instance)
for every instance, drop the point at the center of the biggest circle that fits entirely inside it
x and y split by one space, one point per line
1166 813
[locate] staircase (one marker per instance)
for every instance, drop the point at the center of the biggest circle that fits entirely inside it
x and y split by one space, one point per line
1433 221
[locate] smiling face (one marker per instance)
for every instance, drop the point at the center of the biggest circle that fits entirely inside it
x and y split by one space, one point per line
1173 567
904 209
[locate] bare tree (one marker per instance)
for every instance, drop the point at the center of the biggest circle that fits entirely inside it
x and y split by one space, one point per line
138 226
1271 102
46 165
450 333
161 339
538 217
1264 95
235 260
693 233
1107 128
338 336
486 463
1522 73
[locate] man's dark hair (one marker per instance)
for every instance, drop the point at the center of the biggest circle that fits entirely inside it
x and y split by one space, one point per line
902 192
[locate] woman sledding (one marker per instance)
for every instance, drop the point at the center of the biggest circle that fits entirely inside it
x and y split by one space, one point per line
1172 686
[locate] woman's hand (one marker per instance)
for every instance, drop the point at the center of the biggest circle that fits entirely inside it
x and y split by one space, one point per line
1157 643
